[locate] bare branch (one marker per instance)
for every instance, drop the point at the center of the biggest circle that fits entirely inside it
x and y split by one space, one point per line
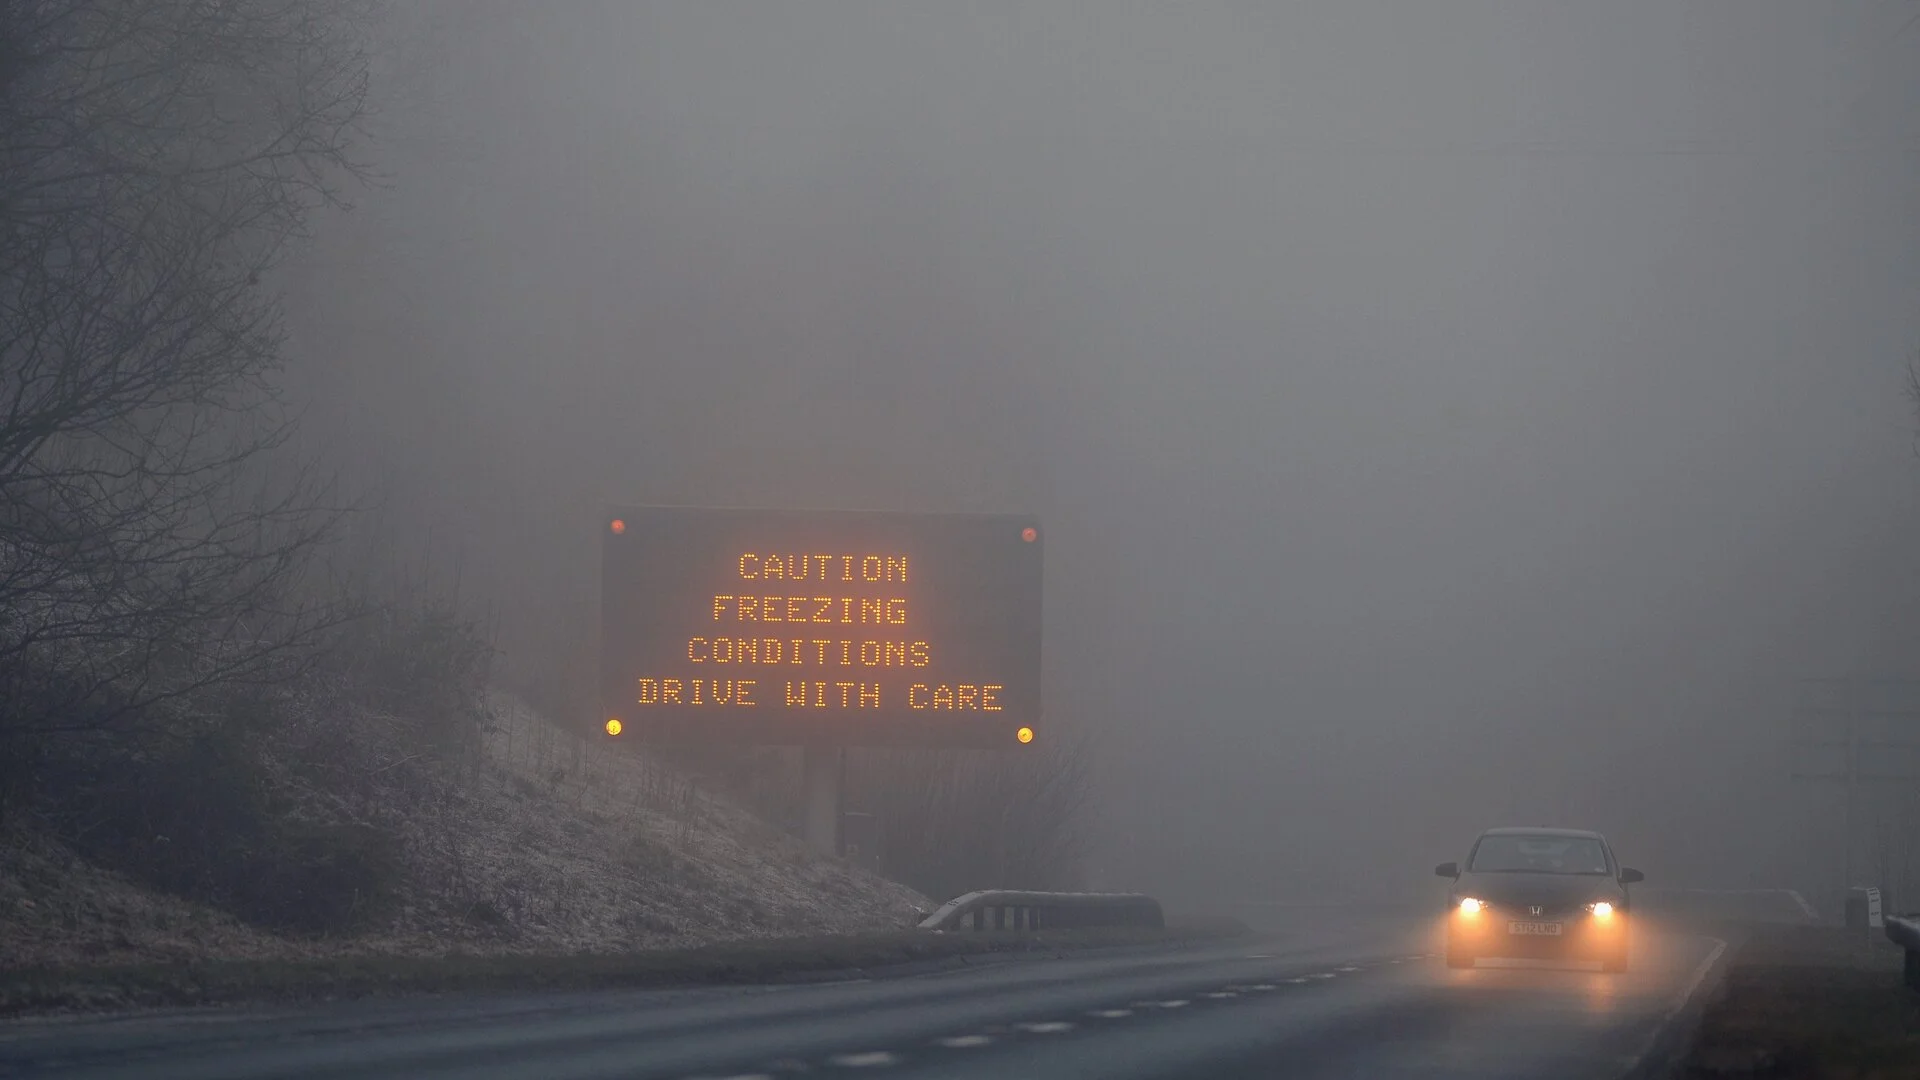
157 159
1913 393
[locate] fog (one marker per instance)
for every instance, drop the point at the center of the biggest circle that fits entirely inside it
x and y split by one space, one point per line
1443 415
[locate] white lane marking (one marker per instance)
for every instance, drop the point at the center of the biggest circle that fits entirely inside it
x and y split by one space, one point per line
962 1042
1111 1014
1804 906
1347 968
865 1060
1262 987
1298 981
1321 975
1680 1000
1218 995
1699 974
1047 1027
1175 1003
1260 956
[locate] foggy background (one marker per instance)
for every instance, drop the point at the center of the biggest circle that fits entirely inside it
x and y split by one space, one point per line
1444 415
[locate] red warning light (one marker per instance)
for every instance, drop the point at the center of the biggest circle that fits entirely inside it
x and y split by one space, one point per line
1029 534
618 526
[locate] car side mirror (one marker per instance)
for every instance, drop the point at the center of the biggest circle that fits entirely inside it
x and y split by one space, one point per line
1447 869
1629 875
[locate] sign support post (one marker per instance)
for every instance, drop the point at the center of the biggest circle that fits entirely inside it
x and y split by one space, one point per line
821 768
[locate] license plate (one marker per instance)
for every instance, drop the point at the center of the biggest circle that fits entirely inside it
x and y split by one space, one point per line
1536 929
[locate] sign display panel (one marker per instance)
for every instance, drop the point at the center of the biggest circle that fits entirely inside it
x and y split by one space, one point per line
784 627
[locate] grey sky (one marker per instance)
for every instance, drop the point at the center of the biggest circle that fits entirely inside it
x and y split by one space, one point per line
1443 412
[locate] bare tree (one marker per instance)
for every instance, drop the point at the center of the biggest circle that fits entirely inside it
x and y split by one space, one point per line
157 158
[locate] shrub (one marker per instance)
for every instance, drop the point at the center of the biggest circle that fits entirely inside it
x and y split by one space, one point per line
317 877
203 818
422 662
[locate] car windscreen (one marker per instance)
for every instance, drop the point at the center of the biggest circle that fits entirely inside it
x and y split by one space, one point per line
1539 855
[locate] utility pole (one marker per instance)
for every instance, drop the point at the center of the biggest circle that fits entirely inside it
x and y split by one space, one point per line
1863 734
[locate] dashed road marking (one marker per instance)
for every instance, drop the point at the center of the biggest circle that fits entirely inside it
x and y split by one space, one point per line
883 1058
963 1042
868 1059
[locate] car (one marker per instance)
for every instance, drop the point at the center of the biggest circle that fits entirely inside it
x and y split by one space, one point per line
1530 893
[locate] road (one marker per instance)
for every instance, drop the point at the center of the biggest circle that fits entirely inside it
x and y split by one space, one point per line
1363 998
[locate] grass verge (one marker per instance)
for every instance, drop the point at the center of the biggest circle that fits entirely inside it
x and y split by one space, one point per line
1812 1003
28 991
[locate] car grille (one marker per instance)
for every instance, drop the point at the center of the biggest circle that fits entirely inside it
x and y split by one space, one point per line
1547 911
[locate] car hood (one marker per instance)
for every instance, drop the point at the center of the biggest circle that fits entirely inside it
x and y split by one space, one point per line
1556 890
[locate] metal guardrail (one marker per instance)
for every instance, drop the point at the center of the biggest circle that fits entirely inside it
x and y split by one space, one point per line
1007 909
1904 931
1786 900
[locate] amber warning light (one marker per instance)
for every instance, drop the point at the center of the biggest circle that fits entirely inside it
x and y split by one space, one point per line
614 726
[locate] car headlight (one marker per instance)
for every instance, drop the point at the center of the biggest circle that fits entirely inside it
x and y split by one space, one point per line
1602 909
1470 906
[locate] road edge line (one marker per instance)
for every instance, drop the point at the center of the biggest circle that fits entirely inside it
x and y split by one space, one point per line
1661 1052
